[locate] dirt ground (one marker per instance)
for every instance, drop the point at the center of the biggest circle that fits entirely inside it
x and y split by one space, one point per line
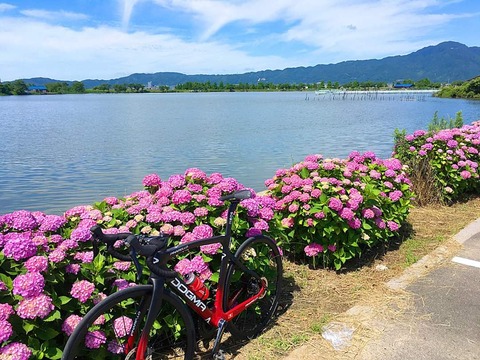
361 298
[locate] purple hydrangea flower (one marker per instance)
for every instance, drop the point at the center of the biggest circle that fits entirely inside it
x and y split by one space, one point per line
335 204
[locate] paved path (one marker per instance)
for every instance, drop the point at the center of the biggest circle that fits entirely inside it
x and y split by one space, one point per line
442 323
445 320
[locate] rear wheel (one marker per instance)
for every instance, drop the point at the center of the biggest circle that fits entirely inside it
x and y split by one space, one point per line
112 328
261 255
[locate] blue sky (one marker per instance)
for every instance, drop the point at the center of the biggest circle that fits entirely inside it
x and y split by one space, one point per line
105 39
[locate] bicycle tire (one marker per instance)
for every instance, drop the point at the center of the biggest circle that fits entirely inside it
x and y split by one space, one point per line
261 255
162 343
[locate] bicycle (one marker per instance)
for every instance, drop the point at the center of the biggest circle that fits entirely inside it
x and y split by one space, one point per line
154 321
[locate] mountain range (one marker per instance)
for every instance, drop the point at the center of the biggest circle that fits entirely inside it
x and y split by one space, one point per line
446 62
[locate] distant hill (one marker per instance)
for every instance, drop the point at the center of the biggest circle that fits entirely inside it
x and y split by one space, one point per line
446 62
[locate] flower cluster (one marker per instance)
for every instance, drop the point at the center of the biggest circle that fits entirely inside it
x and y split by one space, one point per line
330 207
453 154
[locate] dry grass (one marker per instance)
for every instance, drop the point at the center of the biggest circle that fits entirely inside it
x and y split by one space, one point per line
315 297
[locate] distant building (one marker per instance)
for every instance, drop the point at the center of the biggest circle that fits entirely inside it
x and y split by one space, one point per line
37 89
402 86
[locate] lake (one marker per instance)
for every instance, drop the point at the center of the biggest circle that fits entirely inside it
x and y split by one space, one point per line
66 150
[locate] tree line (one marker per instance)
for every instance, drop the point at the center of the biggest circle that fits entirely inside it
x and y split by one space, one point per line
19 87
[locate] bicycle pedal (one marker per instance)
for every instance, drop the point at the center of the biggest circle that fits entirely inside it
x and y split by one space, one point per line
219 355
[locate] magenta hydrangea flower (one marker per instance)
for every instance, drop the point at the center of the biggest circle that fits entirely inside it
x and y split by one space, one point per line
181 197
85 257
195 174
395 195
122 265
5 311
52 223
202 231
210 248
466 174
176 181
151 180
121 284
183 267
392 225
368 214
346 213
19 246
37 264
81 234
70 324
332 248
28 285
2 286
15 351
21 220
72 268
313 249
354 223
39 306
335 204
82 290
5 330
95 339
122 326
288 222
56 255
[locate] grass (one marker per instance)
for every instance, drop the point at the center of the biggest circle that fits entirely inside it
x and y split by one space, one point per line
314 297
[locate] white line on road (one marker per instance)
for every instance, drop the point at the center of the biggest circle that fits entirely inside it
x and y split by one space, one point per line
468 262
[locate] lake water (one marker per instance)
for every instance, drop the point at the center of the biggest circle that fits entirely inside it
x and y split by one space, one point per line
66 150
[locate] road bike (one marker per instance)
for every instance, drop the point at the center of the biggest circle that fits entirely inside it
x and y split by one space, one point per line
160 319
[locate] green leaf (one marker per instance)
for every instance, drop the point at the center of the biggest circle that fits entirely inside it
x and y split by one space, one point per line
27 326
53 316
46 333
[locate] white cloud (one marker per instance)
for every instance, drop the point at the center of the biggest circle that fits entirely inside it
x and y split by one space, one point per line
6 7
38 49
53 15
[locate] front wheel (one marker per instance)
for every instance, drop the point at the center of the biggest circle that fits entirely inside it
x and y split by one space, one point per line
261 255
112 328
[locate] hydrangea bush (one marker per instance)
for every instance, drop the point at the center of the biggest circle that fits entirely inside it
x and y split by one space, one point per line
49 277
452 156
330 208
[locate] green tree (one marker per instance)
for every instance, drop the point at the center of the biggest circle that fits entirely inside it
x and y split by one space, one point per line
77 87
18 87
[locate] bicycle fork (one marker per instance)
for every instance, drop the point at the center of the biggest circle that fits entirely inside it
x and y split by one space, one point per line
154 309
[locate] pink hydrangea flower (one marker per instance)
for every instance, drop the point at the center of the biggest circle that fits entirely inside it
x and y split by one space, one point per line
335 204
19 246
31 308
313 249
82 290
5 311
122 265
151 180
95 339
28 285
72 268
466 174
70 324
210 248
5 330
37 264
15 351
122 326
